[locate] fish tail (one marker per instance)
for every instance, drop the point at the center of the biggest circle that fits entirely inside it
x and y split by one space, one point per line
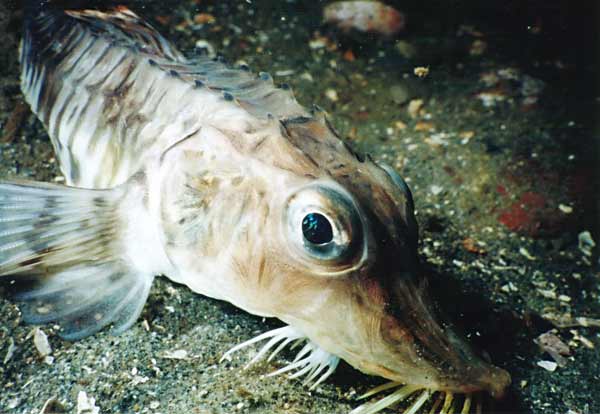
68 251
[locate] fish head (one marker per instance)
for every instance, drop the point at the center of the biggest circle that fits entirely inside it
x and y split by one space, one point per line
325 240
353 235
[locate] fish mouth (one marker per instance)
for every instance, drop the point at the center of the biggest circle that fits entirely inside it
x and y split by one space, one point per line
411 344
313 365
447 397
488 379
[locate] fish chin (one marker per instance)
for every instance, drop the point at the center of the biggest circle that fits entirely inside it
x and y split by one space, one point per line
314 365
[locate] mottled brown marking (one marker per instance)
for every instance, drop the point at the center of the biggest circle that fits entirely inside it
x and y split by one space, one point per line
261 270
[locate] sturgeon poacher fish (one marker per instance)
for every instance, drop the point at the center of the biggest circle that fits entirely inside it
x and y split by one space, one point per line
217 179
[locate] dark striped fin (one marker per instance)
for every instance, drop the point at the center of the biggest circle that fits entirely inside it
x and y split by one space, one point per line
124 27
109 89
256 93
63 246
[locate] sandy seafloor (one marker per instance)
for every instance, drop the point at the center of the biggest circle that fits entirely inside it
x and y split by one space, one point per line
502 193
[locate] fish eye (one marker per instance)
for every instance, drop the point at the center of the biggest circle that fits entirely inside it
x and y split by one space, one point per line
324 227
316 228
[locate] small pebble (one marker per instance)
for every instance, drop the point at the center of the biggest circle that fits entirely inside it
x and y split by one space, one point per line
40 340
286 72
414 107
548 365
205 48
307 77
564 298
435 189
586 243
421 71
565 209
10 350
177 354
524 252
399 125
332 95
491 97
318 43
478 47
547 293
406 49
204 18
86 405
400 93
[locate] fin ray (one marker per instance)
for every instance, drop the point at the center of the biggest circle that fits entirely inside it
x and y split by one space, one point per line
66 240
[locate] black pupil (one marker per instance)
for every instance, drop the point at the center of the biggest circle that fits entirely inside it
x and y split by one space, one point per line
316 228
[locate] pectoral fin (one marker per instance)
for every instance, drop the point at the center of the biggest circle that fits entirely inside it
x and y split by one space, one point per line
65 249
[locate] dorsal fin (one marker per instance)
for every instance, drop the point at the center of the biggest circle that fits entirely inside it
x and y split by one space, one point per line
255 92
109 89
127 29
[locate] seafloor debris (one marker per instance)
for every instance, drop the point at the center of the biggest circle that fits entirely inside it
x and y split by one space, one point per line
406 49
423 126
414 107
365 16
491 97
548 365
549 342
10 351
586 243
15 122
52 406
204 18
568 321
40 340
478 47
472 246
580 339
509 84
421 71
204 47
332 95
86 405
176 354
401 92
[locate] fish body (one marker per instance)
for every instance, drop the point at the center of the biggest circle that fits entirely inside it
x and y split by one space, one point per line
217 179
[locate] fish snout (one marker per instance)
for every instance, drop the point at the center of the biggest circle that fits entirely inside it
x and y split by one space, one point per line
486 378
422 348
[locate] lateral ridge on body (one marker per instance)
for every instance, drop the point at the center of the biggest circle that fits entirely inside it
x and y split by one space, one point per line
221 181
